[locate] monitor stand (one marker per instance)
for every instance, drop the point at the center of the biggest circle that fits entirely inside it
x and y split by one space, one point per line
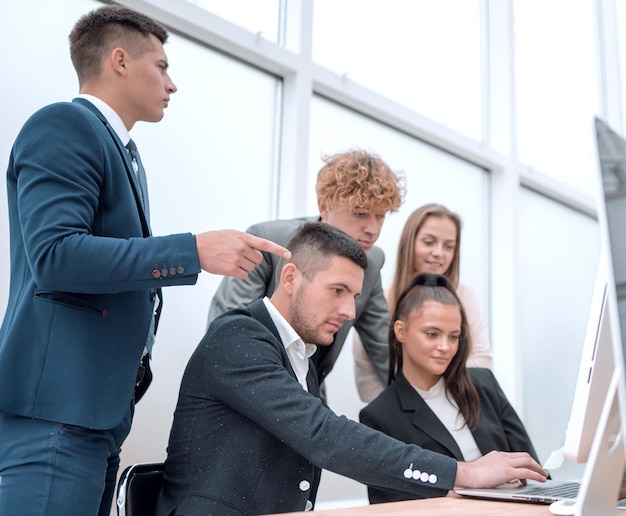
602 479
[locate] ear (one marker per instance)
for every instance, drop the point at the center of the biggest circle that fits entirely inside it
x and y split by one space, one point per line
399 328
290 278
323 207
119 60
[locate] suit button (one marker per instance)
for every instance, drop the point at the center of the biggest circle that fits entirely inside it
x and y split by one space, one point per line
305 485
180 269
172 271
165 273
156 273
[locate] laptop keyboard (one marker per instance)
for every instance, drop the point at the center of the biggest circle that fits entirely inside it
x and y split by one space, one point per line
567 490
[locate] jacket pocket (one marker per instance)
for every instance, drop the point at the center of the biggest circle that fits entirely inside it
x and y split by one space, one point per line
70 301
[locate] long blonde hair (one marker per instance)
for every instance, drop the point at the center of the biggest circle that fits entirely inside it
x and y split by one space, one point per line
405 259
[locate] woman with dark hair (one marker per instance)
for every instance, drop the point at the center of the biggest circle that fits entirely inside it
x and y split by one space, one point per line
430 242
433 399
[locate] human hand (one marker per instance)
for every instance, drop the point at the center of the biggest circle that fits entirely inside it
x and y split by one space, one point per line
497 468
233 253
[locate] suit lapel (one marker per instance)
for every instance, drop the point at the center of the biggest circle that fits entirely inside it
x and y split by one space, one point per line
258 310
423 417
128 164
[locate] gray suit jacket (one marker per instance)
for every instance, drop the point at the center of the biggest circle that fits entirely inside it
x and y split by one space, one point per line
248 439
372 314
401 412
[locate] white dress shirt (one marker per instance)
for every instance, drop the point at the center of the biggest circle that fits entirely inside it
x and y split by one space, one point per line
297 350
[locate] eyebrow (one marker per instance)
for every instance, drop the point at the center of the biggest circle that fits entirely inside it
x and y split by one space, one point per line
436 238
437 328
345 287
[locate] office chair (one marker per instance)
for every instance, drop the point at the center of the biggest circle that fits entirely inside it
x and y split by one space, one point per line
138 489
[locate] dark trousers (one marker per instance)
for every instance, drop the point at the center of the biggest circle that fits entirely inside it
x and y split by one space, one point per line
54 469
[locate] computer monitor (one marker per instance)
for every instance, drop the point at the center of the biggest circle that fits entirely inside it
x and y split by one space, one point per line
597 363
598 415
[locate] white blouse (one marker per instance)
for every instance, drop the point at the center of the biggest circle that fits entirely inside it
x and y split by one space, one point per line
448 413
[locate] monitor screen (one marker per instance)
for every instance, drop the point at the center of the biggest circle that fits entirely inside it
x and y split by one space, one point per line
612 155
594 433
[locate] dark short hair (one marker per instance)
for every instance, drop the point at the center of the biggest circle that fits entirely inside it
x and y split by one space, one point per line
314 244
101 30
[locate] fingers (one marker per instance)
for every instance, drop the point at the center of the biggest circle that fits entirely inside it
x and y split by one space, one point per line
497 468
234 253
525 467
261 244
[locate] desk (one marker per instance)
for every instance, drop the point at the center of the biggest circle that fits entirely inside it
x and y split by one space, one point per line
451 505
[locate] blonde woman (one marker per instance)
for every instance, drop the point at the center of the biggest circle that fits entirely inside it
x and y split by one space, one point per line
430 242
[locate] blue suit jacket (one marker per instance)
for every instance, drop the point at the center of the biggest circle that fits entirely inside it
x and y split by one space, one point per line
248 439
401 412
82 288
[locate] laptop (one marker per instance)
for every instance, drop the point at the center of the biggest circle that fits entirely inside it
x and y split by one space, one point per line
534 492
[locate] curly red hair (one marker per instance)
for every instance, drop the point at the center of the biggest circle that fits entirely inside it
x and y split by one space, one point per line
360 182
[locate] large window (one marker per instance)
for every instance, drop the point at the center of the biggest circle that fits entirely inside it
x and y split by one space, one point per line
559 251
556 89
260 17
425 55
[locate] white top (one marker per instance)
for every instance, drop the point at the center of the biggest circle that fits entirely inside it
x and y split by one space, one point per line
448 413
370 385
112 117
297 351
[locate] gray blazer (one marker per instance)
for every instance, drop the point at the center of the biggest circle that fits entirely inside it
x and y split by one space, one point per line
248 439
372 313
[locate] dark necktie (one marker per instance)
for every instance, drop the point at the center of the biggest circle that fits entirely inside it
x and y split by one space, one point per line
140 172
141 177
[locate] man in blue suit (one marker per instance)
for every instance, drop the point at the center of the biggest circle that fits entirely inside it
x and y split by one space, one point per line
86 273
250 432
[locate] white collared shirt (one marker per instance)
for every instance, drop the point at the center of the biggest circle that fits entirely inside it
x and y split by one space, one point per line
448 412
112 117
297 350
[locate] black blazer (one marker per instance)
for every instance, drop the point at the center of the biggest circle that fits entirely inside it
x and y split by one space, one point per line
248 439
401 412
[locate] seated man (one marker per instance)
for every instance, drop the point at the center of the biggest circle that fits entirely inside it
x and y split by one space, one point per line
250 433
355 191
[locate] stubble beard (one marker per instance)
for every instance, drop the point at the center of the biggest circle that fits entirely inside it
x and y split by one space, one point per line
301 323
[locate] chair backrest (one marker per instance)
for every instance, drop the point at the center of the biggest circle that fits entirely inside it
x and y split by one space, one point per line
138 489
